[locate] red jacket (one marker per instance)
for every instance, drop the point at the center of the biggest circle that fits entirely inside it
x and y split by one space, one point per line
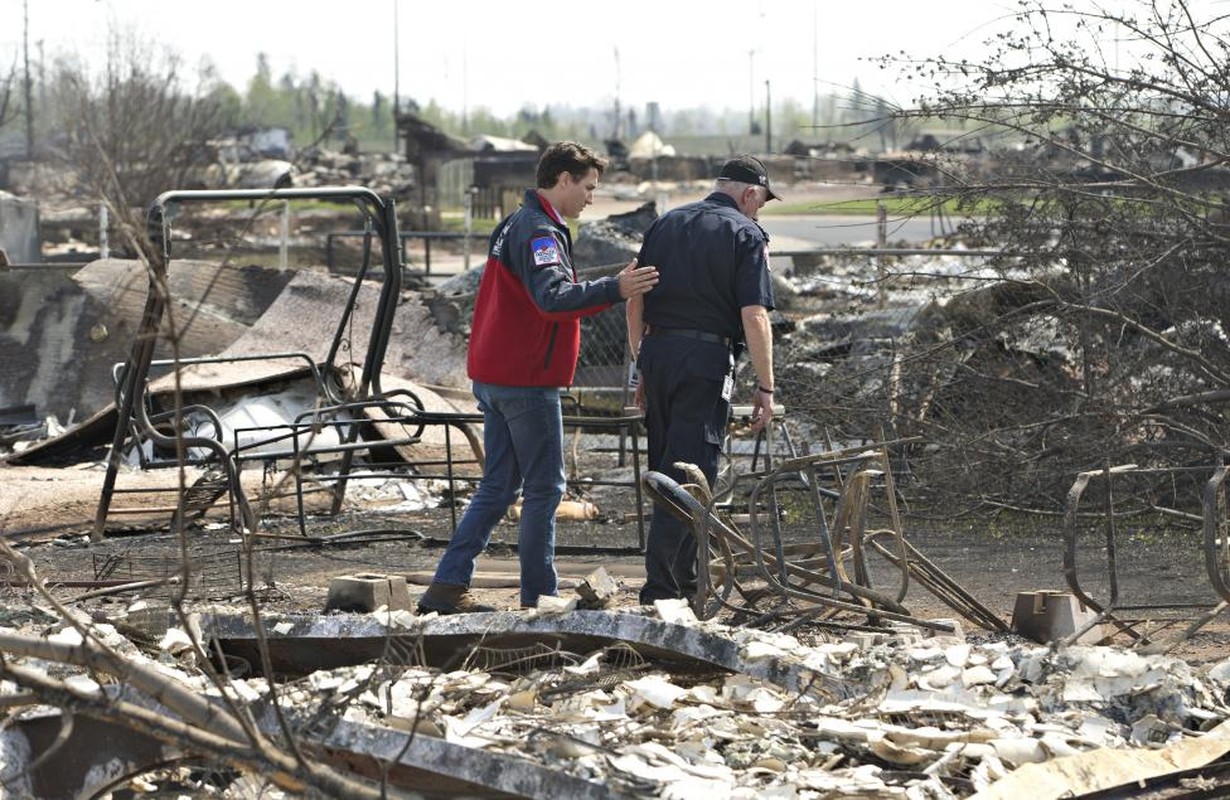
526 329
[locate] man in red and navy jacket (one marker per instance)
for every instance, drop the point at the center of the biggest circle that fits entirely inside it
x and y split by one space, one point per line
524 342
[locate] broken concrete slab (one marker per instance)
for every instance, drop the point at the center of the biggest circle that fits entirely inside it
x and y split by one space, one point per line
597 589
300 644
441 769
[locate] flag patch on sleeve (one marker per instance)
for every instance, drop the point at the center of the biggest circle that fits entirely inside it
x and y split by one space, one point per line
546 251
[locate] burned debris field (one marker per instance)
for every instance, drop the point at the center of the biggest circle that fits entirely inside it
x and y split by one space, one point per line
268 604
981 551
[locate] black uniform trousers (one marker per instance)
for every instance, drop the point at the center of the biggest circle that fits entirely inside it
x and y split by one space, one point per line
686 417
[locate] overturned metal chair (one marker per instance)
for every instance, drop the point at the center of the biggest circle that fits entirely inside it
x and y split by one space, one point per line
1159 625
822 577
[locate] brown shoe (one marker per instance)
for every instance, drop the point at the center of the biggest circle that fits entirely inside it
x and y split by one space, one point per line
450 598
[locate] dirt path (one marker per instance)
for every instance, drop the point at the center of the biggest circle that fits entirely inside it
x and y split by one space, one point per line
293 574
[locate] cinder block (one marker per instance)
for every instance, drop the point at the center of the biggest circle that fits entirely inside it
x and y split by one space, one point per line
365 593
597 589
152 618
1048 616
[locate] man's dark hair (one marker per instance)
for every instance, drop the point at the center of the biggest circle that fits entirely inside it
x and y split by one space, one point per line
570 157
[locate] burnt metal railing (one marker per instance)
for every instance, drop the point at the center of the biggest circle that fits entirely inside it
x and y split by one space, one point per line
133 418
427 237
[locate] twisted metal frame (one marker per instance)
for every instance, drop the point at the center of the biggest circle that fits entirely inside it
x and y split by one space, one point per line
133 418
815 581
1145 635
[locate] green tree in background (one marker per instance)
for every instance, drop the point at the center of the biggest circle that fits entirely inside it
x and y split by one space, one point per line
261 102
315 111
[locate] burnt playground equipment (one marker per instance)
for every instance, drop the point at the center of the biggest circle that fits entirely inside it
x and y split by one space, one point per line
1148 628
822 577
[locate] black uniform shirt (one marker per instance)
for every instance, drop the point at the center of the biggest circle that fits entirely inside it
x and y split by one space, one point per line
712 261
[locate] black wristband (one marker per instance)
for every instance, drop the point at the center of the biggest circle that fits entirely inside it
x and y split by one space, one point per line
766 391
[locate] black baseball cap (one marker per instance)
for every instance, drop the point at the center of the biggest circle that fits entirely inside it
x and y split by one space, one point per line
747 169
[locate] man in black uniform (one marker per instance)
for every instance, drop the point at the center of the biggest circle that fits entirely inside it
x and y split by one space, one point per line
713 298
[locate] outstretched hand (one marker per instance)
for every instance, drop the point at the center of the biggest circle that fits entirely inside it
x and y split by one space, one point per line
635 281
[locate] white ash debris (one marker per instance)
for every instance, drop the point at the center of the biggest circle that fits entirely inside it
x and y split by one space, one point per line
952 716
15 753
934 717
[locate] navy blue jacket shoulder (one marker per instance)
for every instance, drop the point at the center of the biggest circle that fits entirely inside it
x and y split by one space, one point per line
712 261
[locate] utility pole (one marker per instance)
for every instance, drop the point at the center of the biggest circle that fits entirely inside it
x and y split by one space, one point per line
396 78
768 120
815 71
618 112
751 93
42 76
396 67
25 10
465 93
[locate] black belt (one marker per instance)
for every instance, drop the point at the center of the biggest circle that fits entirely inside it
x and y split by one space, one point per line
688 333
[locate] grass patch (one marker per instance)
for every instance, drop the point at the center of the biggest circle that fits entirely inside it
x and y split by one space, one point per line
455 222
894 206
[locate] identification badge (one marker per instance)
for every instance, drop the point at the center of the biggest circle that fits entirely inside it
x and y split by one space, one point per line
728 387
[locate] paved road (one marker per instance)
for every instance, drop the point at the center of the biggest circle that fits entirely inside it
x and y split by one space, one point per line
803 232
799 232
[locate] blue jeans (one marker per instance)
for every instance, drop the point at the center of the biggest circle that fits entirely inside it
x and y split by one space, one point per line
523 440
